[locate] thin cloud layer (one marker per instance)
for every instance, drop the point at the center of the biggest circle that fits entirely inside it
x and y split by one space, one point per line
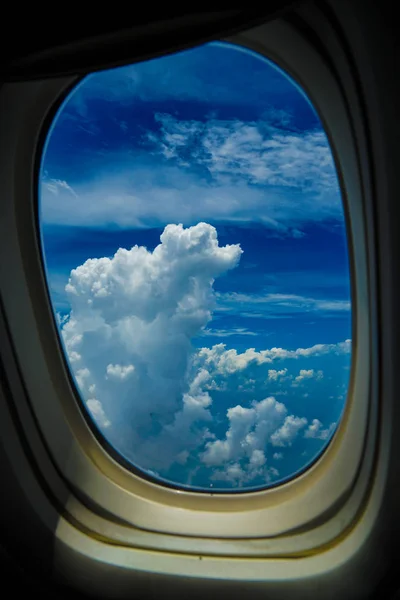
215 170
271 305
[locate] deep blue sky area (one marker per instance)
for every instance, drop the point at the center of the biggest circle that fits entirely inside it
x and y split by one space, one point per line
222 137
211 81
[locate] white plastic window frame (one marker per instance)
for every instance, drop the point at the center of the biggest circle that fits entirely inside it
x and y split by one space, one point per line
100 496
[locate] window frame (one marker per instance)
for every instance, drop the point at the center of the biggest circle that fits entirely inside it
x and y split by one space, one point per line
296 518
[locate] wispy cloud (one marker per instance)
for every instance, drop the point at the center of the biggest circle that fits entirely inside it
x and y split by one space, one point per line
254 151
55 186
229 332
215 171
273 305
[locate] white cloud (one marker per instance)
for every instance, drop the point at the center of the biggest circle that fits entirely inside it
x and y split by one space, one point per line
72 340
250 433
241 421
257 151
232 474
97 412
242 451
270 305
228 332
274 375
61 319
238 475
56 185
316 431
257 458
74 356
81 376
277 456
120 372
255 468
285 435
308 374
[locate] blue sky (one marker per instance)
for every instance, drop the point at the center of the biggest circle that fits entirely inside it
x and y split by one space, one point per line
195 244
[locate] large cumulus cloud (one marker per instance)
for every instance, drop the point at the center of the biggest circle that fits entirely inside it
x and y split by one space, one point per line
129 341
129 337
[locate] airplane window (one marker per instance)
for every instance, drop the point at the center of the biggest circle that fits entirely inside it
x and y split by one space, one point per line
194 240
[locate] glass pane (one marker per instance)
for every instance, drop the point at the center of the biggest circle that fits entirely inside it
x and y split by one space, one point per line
195 246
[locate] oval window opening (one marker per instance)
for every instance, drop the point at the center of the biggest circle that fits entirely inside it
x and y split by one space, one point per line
195 247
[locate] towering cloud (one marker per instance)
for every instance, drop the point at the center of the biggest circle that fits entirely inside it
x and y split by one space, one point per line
129 341
129 338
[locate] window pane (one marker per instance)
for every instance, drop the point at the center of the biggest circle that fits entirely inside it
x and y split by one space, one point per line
195 247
